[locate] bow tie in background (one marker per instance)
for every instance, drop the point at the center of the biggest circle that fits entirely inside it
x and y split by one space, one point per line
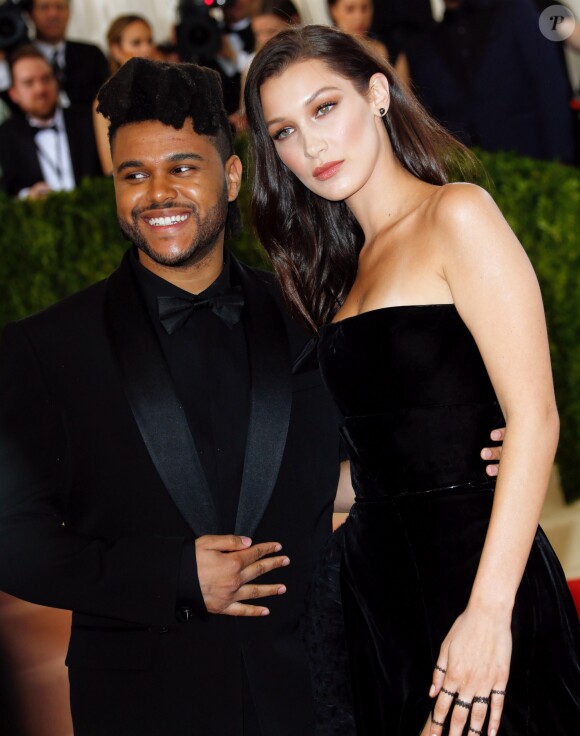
36 129
174 311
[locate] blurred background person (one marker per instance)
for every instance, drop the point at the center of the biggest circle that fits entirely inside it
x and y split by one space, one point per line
43 146
488 74
128 36
271 17
401 24
80 68
355 17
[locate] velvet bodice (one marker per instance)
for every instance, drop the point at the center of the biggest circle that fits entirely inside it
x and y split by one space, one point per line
417 402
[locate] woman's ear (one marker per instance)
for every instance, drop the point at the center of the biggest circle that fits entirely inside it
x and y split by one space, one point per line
379 94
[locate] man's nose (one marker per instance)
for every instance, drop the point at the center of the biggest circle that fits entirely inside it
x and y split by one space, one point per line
161 189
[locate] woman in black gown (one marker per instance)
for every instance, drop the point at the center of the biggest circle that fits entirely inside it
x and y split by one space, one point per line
431 328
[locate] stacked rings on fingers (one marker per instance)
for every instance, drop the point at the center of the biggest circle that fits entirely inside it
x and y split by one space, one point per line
448 692
498 692
482 699
442 670
436 723
463 704
474 730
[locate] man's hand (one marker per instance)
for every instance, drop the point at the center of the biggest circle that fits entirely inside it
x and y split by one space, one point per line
493 453
40 190
226 565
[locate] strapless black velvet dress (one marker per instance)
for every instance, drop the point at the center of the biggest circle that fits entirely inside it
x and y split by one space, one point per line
418 406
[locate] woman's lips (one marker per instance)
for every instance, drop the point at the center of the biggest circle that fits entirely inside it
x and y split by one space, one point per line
327 171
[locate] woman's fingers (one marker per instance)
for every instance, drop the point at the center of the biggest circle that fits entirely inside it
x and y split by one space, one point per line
497 701
479 708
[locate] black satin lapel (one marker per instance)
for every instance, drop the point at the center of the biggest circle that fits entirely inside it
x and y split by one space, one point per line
271 400
155 406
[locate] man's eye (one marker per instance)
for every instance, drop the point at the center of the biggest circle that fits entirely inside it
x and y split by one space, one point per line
135 176
281 134
184 169
324 109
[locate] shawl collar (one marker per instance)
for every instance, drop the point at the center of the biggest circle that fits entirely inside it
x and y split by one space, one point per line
161 419
271 397
154 403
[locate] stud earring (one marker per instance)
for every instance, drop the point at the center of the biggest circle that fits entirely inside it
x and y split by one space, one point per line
382 112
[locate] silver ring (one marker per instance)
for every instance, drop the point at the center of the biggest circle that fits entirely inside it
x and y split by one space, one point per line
448 692
498 692
437 723
440 669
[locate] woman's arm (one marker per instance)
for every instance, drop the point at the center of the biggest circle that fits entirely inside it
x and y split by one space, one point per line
497 295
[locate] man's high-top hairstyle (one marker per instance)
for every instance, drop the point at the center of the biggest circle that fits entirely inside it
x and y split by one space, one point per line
144 90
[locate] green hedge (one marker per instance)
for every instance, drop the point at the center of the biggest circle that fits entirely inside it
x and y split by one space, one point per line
55 247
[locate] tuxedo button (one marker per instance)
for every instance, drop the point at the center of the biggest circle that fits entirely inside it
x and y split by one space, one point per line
184 614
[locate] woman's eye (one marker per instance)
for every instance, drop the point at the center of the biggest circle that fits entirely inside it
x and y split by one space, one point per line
324 109
281 134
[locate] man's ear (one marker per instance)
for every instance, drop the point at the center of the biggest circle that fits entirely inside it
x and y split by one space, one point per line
14 96
233 169
379 93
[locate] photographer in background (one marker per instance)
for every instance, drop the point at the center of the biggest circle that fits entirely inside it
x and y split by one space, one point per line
218 36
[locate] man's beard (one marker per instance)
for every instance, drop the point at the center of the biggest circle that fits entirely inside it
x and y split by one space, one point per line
203 242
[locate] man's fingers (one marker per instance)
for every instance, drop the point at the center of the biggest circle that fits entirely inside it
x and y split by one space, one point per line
242 609
261 567
491 453
249 592
223 542
257 551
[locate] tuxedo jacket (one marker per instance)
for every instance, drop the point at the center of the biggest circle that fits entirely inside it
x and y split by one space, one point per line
86 69
517 98
101 486
19 162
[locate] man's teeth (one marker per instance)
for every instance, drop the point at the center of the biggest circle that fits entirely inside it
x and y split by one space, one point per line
161 221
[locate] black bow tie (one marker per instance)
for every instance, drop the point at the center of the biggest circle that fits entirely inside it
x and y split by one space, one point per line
174 311
36 129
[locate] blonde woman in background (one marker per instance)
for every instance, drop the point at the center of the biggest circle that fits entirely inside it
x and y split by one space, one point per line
128 36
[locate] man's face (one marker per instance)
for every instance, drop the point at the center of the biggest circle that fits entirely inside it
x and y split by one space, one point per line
172 190
34 88
50 18
238 10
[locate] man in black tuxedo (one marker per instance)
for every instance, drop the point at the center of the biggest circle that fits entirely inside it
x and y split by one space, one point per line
43 147
80 68
158 450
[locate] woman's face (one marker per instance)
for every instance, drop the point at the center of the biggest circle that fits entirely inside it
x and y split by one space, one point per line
266 27
327 133
352 16
136 40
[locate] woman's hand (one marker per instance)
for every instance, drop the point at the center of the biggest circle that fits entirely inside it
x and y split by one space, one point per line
471 673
